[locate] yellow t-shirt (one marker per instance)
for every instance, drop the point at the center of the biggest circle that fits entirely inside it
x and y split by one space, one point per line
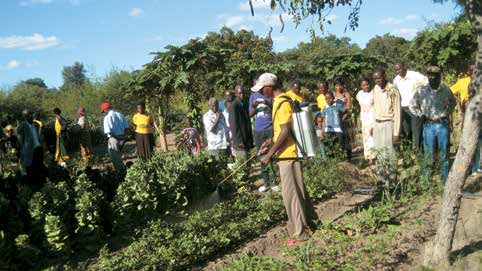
294 96
461 88
321 101
282 115
143 123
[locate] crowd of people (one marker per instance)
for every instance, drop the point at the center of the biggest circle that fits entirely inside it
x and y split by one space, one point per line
413 106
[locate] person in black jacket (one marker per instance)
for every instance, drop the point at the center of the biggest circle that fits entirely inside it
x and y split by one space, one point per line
242 140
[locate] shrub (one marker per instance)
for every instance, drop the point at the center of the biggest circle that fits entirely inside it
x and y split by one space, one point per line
167 183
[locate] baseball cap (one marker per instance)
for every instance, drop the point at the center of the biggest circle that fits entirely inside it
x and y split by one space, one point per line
265 79
104 106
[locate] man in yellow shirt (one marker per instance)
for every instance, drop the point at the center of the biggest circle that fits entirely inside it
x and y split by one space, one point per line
301 214
461 88
295 93
320 100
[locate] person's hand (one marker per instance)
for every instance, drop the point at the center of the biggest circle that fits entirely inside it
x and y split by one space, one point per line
265 159
371 132
218 115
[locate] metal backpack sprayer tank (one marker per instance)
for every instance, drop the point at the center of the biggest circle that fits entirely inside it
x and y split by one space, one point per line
302 128
304 132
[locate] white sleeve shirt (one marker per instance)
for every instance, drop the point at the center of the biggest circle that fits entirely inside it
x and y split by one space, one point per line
407 85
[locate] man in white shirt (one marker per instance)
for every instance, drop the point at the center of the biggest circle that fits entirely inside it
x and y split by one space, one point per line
115 125
216 129
407 82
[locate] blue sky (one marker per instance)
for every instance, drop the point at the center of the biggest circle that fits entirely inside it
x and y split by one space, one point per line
39 37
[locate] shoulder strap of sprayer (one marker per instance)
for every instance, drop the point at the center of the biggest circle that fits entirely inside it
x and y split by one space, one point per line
296 108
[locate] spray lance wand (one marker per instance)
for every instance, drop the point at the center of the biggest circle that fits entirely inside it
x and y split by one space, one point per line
236 170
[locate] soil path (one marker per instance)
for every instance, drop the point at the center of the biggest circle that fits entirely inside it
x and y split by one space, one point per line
269 244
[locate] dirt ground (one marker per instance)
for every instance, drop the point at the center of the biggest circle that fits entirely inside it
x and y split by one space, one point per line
408 251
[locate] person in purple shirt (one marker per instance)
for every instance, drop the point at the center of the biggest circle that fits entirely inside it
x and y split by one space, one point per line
260 107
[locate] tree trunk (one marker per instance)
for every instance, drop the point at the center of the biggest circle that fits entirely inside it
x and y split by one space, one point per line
442 244
162 129
158 112
438 254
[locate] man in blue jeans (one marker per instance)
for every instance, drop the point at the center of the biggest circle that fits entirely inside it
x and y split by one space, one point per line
434 103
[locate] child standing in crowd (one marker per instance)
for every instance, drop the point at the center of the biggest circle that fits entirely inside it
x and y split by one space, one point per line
319 132
333 114
343 96
367 117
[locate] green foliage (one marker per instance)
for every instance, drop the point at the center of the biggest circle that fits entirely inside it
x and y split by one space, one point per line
74 75
444 45
88 202
39 82
323 178
389 47
203 235
165 184
52 210
251 263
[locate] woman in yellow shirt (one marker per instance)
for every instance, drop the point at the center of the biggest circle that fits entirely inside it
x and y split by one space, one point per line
144 124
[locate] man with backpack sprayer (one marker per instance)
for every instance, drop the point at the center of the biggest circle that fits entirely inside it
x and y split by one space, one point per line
282 148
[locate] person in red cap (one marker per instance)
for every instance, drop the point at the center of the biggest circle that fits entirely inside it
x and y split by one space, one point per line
115 125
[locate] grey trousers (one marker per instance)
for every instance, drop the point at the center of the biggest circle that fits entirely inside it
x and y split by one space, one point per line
113 148
412 128
301 214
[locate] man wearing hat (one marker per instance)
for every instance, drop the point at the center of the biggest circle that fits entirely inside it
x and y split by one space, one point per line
115 125
434 103
301 214
260 107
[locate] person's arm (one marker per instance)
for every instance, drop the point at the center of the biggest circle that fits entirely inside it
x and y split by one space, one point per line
285 133
107 126
323 127
235 125
397 114
414 105
20 135
348 103
451 103
216 122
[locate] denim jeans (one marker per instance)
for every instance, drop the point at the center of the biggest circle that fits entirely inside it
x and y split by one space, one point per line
436 134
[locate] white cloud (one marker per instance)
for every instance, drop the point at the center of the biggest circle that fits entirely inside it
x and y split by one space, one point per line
270 19
233 21
256 4
245 27
136 12
30 43
407 33
412 17
280 39
246 22
331 17
12 64
390 21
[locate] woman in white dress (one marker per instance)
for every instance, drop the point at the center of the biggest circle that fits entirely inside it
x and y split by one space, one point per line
365 99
